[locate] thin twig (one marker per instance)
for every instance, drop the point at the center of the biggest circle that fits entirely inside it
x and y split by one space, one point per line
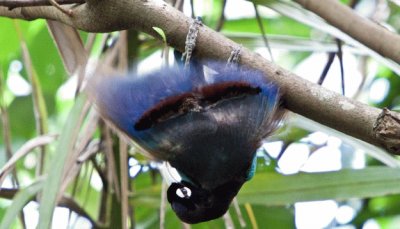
163 204
59 7
25 149
91 149
123 163
73 193
353 3
104 196
331 57
221 19
72 164
365 31
179 5
65 201
362 68
7 139
251 215
6 127
112 176
12 4
339 54
39 104
192 9
90 170
90 42
228 220
238 213
186 226
263 34
283 149
122 48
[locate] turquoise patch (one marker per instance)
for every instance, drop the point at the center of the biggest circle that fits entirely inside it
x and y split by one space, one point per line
253 168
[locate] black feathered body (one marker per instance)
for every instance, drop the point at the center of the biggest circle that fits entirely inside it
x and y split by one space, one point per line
207 127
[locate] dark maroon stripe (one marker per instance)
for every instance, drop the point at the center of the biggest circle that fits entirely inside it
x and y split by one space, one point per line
193 102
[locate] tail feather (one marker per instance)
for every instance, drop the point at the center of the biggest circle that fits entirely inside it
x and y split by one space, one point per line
194 121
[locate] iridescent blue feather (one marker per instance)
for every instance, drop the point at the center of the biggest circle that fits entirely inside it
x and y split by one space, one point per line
207 127
229 131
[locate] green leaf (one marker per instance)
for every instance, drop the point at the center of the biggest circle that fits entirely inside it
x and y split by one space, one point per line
161 32
273 26
19 202
56 168
278 189
8 36
211 11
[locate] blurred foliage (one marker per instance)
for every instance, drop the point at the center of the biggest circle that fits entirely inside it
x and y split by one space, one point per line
392 98
293 41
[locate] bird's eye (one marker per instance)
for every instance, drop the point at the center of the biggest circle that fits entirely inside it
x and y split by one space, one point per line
184 192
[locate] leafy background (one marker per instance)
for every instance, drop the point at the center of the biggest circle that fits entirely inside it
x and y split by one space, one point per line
114 185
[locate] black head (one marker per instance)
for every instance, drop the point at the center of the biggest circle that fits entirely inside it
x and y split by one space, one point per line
194 204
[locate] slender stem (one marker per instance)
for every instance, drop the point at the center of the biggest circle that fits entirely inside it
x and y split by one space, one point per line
299 95
12 4
263 34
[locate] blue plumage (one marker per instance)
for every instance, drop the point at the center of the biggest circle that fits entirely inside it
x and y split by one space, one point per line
207 127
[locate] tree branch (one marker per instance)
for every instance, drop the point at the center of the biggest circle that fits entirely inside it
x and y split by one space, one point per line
11 4
371 34
299 95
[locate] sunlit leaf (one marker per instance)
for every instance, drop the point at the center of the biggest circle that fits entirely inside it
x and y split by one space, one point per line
19 202
161 33
56 168
277 189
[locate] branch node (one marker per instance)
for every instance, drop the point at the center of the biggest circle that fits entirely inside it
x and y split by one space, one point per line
387 130
235 55
59 7
190 42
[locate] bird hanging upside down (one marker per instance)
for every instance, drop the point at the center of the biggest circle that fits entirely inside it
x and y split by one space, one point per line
207 126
